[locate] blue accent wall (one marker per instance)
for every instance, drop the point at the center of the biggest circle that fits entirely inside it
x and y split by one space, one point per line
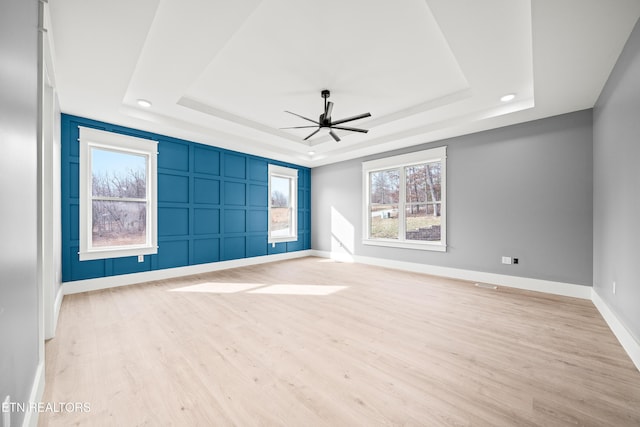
212 205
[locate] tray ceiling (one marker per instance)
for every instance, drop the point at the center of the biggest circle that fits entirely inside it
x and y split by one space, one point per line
222 73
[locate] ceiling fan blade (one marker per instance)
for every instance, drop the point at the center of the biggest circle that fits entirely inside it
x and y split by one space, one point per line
303 117
350 129
301 127
359 116
333 135
312 133
327 111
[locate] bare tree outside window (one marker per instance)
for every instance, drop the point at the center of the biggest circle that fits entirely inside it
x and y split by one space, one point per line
405 200
118 190
280 206
383 208
119 198
423 199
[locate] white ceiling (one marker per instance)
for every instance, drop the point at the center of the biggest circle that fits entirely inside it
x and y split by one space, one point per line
223 73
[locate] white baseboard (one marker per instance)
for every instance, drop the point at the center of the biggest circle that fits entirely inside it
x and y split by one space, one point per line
56 309
547 286
51 316
627 340
37 391
78 286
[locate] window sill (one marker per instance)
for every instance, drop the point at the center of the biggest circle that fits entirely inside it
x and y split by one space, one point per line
116 253
283 240
423 246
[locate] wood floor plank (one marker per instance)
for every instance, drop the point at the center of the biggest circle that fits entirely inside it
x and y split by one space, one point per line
391 348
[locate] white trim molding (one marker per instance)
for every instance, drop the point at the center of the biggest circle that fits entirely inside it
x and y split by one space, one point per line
56 312
291 175
78 286
401 164
37 392
539 285
627 340
93 141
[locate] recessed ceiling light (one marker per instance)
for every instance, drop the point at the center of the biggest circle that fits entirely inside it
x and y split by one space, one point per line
144 103
311 153
508 97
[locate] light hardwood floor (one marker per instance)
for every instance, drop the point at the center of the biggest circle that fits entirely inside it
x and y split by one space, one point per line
391 348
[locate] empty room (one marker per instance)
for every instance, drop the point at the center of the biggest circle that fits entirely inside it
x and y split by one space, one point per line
300 213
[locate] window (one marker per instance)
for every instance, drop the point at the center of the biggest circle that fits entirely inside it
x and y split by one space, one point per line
117 195
405 200
283 206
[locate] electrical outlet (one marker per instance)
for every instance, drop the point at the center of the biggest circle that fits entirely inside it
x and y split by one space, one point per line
140 258
506 260
6 411
515 260
614 287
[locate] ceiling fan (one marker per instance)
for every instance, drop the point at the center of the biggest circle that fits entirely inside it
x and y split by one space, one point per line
325 120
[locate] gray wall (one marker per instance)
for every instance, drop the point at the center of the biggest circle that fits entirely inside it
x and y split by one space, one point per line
523 190
616 227
18 199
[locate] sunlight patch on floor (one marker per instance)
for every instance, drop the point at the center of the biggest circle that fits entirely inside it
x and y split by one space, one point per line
259 288
218 288
298 290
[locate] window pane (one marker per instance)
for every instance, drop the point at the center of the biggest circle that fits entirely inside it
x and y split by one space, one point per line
384 187
384 222
280 222
423 222
384 198
404 201
118 174
118 223
423 182
283 211
280 188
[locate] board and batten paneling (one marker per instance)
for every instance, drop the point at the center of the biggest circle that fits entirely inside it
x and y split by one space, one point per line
212 206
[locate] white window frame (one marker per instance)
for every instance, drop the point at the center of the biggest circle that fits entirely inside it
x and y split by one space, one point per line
400 163
94 138
292 175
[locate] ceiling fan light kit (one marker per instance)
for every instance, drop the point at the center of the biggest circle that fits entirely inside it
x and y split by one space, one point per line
324 121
